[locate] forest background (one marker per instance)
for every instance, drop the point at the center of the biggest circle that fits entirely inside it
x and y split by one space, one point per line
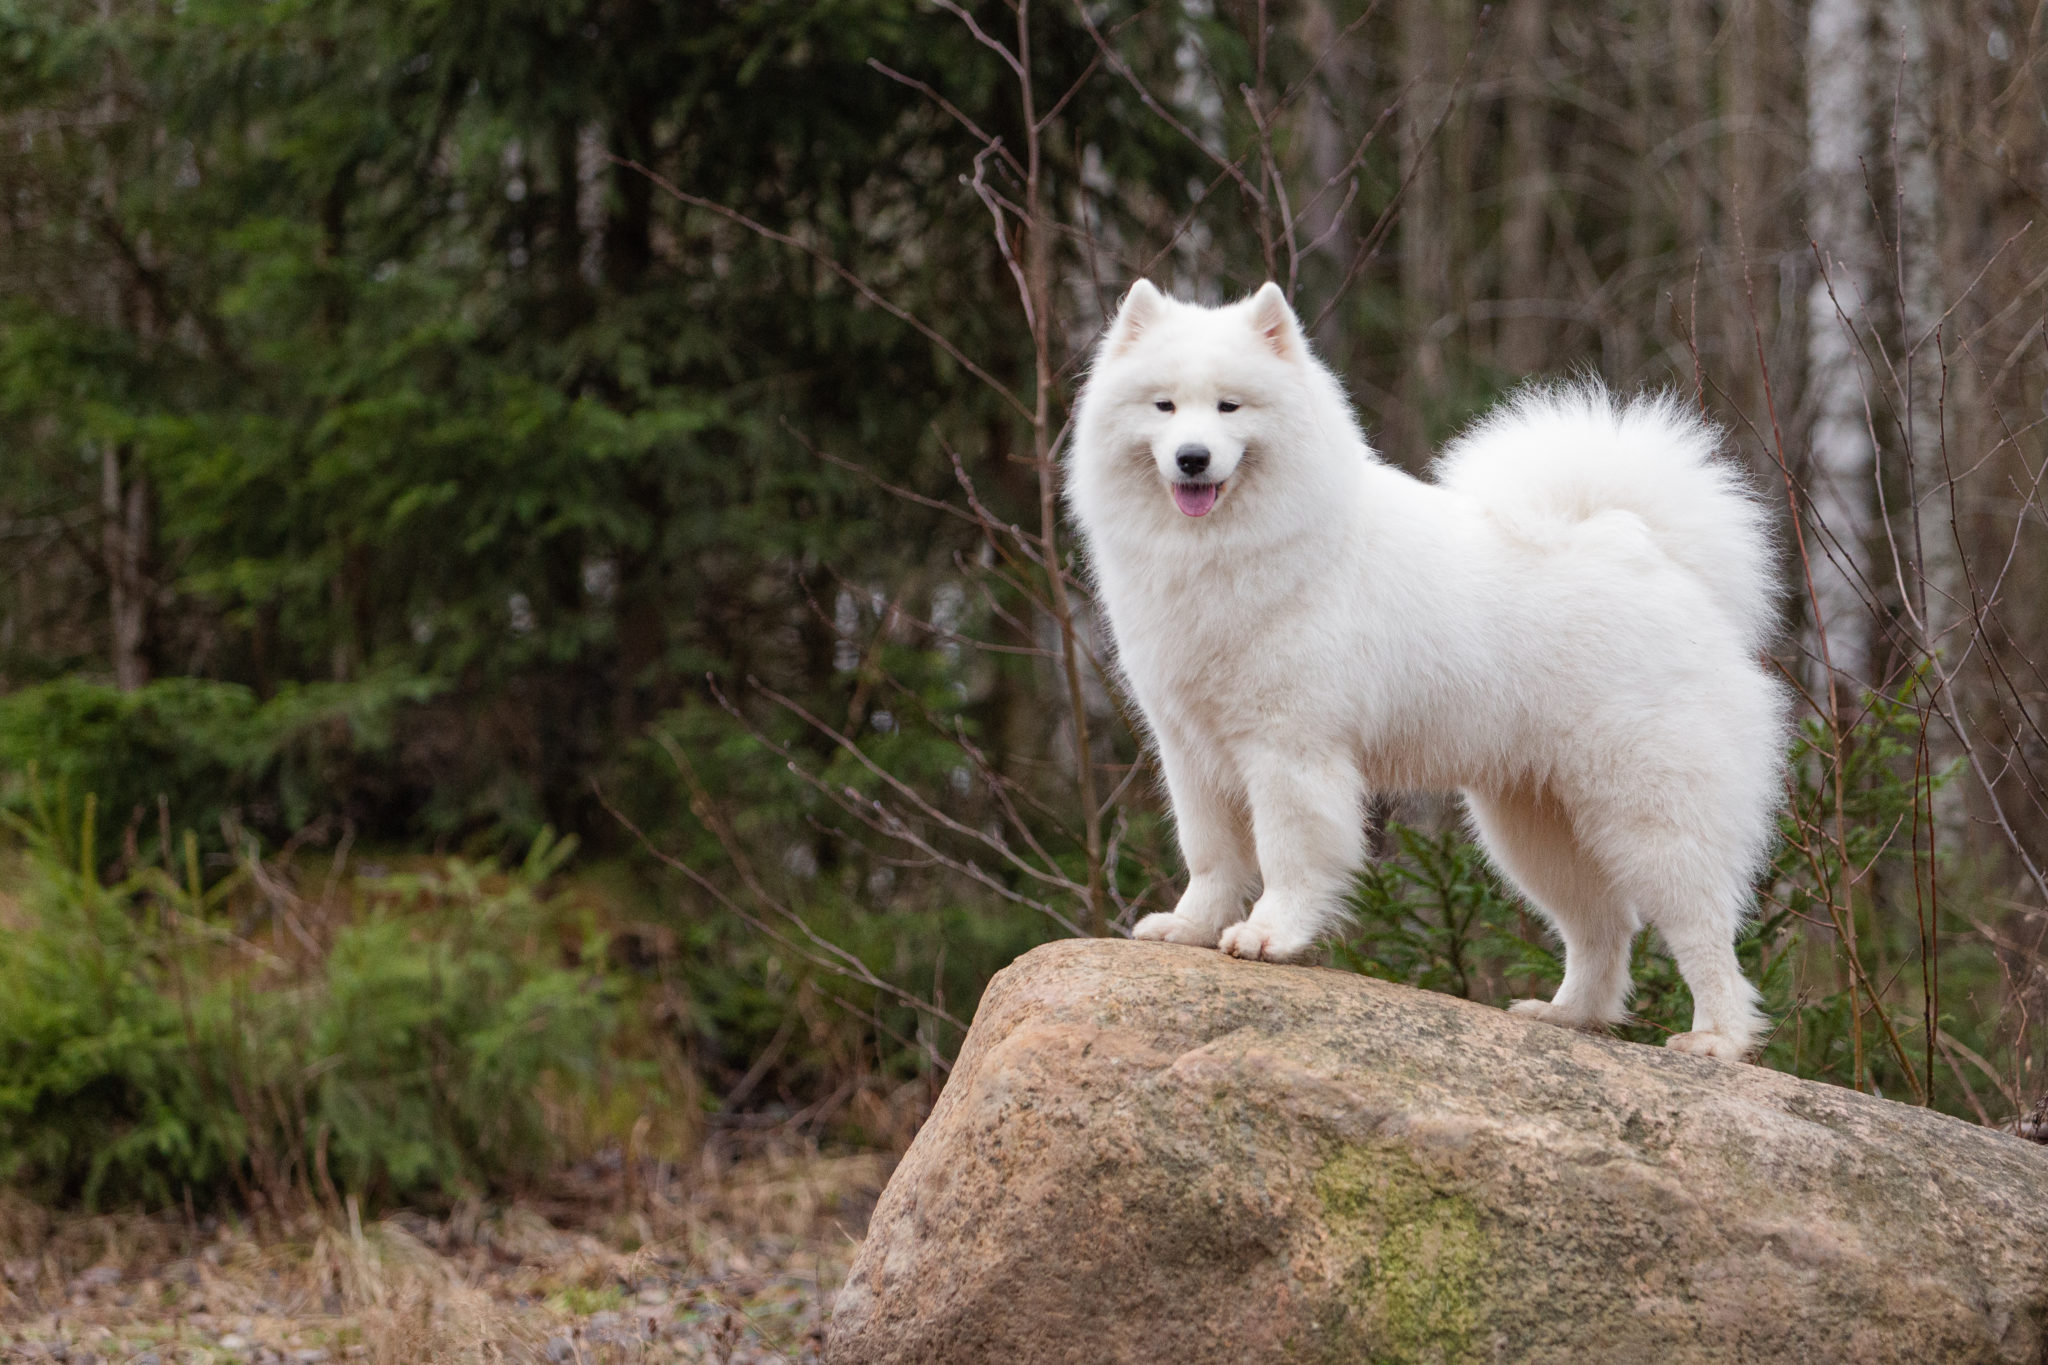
534 615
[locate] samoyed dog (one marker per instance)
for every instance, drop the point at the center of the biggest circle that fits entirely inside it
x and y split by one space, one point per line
1566 625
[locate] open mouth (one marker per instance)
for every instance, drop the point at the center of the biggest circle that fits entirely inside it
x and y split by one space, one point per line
1196 499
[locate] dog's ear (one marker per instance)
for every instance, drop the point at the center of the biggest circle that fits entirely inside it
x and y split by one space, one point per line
1141 308
1275 322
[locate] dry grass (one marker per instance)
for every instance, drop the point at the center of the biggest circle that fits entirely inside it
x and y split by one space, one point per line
730 1261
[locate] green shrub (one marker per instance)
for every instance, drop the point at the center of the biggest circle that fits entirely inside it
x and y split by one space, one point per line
1434 915
441 1014
106 1077
934 936
153 1047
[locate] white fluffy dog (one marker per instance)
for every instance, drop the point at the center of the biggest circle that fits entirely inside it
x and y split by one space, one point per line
1566 626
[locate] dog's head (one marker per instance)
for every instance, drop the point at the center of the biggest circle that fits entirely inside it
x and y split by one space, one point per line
1200 391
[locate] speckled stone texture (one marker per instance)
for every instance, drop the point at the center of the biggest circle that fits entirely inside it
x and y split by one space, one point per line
1157 1153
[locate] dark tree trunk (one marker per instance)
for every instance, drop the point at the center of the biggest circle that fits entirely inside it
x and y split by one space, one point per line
124 542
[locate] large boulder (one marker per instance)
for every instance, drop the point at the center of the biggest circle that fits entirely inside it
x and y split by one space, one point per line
1157 1153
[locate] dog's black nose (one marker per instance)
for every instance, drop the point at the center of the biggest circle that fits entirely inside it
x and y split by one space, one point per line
1192 459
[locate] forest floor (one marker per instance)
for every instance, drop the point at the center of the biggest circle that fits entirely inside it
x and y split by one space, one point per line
733 1262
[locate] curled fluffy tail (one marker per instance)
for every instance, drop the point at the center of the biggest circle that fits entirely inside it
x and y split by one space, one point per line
1572 451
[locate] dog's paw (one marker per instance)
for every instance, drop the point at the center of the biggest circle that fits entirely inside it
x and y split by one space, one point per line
1703 1043
1168 928
1256 942
1551 1013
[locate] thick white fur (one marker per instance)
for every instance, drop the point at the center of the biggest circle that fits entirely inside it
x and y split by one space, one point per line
1565 626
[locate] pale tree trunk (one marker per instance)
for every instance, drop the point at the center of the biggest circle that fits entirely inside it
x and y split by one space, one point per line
1628 347
1460 146
1744 61
1422 62
1842 467
124 545
1329 149
1939 596
1692 77
1524 330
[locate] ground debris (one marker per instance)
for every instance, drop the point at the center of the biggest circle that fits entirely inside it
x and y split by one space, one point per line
737 1266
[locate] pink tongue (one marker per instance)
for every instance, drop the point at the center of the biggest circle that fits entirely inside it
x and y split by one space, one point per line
1195 499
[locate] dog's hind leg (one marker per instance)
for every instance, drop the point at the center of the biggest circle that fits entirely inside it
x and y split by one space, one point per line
1725 1020
1529 838
1693 888
1215 839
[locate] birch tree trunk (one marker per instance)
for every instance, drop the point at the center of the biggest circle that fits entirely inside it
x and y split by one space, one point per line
1524 281
1424 267
1690 95
1745 62
1842 471
1323 199
1938 593
1648 127
1939 596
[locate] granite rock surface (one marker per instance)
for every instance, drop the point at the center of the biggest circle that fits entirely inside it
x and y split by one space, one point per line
1157 1153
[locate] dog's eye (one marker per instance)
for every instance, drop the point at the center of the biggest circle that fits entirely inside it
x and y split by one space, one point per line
1227 406
1164 405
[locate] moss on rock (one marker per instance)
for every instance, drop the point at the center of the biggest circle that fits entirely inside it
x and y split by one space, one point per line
1411 1257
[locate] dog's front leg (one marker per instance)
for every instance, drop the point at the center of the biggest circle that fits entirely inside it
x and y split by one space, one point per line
1308 818
1215 841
